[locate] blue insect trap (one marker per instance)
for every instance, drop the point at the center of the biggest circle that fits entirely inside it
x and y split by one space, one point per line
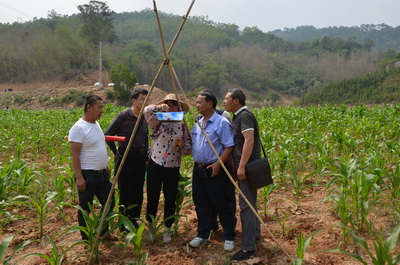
170 116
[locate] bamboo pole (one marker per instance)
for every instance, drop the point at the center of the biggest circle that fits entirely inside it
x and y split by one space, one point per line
231 178
111 194
174 76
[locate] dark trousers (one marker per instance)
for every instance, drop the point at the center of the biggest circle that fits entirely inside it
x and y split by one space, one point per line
96 184
251 230
209 192
232 201
167 178
130 184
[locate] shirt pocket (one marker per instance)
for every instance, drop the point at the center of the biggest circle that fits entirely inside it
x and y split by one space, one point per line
213 136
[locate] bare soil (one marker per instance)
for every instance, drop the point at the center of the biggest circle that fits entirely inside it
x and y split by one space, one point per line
312 215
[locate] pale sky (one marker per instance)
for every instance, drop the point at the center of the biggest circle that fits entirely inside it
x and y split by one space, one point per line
267 15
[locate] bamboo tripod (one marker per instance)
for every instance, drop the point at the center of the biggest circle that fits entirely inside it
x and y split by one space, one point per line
174 80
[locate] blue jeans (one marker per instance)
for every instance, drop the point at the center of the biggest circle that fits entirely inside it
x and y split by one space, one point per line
212 193
97 183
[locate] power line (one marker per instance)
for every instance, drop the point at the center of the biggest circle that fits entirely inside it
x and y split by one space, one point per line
15 10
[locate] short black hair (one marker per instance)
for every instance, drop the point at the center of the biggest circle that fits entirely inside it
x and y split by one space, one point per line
209 95
91 100
138 91
238 94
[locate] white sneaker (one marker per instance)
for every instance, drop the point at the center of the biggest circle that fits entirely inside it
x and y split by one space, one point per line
229 245
167 235
196 242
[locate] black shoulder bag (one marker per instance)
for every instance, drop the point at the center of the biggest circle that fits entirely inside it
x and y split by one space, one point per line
258 172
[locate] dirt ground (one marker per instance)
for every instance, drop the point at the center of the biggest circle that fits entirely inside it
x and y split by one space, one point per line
311 216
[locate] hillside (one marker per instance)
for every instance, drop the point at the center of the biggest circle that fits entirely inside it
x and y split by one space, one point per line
57 94
206 55
380 87
381 36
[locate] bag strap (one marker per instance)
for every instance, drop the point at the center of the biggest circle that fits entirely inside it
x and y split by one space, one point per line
258 131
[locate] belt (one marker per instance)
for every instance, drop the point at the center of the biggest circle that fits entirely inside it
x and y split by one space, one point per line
203 165
138 150
101 171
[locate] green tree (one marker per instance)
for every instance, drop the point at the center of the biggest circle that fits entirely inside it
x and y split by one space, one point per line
123 79
122 76
98 23
211 76
368 44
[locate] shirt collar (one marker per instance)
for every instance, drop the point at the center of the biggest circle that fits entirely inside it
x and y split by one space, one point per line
239 110
130 112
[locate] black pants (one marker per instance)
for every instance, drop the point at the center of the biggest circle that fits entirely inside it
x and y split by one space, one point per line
130 184
167 178
212 193
96 184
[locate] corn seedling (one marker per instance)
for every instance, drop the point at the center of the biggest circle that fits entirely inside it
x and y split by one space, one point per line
302 247
41 206
382 249
265 197
298 185
92 220
4 246
155 227
137 240
184 191
54 258
281 219
61 193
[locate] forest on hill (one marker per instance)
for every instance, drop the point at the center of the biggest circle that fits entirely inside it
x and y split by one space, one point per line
207 54
384 37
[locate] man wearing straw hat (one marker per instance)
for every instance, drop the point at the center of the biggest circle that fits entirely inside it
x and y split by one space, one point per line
211 185
131 179
247 148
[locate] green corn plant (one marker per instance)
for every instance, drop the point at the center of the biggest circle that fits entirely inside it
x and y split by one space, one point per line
92 220
155 227
302 246
184 191
343 210
15 178
61 193
393 188
136 240
381 254
54 258
4 247
70 180
298 185
361 187
41 205
265 196
281 220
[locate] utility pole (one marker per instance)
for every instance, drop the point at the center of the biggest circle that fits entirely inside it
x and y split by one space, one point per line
100 68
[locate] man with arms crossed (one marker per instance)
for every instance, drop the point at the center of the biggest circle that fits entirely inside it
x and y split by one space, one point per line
90 161
247 148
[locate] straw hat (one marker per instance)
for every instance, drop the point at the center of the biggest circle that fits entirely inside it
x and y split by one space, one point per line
172 96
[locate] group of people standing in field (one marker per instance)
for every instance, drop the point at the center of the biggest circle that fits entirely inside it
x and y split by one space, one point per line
237 142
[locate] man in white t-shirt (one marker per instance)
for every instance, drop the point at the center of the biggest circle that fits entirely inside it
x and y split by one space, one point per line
90 161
